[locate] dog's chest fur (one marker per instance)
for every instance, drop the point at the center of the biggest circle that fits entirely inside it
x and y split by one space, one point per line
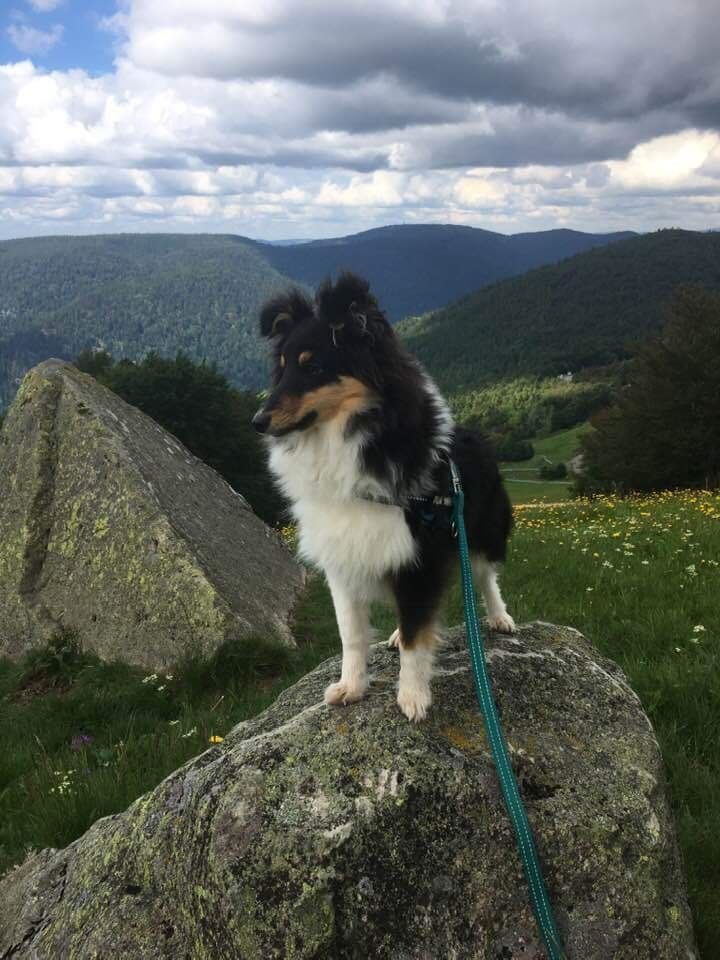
349 538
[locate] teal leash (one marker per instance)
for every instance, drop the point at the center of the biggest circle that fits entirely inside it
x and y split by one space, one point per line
513 801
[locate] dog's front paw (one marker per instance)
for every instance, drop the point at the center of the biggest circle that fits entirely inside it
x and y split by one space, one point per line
394 639
344 692
414 700
503 623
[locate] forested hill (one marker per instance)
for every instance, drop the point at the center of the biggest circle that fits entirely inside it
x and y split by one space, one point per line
414 268
585 311
132 294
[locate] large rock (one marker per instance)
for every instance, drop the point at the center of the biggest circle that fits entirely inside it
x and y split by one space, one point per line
109 527
326 832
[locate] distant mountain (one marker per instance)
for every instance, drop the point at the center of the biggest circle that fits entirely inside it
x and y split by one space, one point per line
131 294
416 268
583 312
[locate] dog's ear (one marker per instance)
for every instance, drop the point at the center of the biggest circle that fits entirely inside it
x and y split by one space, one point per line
279 315
348 307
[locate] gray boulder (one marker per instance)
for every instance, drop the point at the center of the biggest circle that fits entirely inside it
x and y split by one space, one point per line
111 528
333 833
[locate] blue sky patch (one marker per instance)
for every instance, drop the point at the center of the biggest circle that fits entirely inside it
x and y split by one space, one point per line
66 37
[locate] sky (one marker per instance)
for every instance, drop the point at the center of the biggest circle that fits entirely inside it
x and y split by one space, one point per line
287 119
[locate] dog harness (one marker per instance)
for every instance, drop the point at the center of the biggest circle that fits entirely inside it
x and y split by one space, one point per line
434 511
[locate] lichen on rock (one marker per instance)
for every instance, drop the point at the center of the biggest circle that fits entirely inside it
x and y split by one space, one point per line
112 529
332 833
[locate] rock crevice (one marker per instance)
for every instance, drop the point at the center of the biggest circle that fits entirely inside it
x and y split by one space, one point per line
38 521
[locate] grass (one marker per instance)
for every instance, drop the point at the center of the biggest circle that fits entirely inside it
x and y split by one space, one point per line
523 480
524 490
80 739
557 447
639 577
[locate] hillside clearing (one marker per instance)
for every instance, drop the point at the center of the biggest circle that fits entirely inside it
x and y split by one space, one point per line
523 481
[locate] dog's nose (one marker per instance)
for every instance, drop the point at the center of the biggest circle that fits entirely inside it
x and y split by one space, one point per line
261 421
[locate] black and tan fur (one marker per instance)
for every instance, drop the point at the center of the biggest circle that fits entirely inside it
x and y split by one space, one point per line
356 431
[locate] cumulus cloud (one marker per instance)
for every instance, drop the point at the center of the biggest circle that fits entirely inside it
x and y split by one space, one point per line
308 117
30 40
670 161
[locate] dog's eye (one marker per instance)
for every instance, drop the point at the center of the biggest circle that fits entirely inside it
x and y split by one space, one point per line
312 368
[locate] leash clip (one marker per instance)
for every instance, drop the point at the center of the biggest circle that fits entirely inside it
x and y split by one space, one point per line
457 494
457 485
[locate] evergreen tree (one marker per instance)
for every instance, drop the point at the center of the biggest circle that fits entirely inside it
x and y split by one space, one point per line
663 431
94 362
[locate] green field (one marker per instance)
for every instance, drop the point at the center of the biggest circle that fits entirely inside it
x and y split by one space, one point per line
526 490
557 447
640 577
523 480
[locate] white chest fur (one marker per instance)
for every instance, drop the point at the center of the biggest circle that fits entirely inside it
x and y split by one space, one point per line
349 538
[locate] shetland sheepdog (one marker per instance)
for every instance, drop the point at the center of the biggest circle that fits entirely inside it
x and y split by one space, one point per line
359 439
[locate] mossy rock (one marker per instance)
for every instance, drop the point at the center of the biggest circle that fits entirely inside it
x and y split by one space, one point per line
331 833
110 528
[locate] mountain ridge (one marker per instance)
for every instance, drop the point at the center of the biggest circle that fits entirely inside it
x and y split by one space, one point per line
414 268
582 312
199 293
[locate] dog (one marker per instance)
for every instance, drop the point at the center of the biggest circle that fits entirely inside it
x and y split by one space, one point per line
359 439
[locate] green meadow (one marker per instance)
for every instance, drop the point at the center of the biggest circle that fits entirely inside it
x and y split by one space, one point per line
640 577
523 480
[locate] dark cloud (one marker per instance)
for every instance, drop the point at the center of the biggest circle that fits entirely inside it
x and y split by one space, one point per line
610 61
378 108
516 137
303 156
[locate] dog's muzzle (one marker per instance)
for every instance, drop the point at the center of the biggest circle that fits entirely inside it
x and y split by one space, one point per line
261 421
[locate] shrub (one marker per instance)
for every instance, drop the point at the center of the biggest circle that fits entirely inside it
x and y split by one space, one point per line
514 449
553 471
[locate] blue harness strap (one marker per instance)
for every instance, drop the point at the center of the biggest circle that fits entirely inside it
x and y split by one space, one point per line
483 689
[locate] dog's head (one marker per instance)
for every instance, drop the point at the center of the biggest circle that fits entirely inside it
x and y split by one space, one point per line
324 355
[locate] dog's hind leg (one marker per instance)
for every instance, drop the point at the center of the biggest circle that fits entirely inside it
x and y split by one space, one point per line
487 577
352 614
